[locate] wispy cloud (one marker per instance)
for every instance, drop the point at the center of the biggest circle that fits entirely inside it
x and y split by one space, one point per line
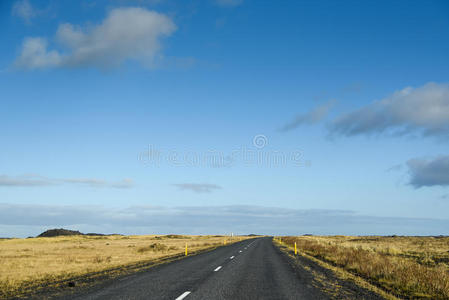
423 110
123 184
125 34
198 187
397 167
208 220
30 180
429 172
312 117
353 88
25 180
23 9
85 181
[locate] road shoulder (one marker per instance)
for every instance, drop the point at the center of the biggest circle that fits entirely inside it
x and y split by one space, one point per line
337 284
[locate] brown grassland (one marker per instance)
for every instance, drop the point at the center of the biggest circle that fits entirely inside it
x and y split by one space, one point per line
26 264
408 267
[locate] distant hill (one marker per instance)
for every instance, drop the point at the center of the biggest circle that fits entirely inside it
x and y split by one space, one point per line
58 232
62 232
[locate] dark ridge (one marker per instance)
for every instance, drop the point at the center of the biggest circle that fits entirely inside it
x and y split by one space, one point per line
62 232
59 232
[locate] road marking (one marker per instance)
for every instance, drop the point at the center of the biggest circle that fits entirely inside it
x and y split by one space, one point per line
240 251
231 257
185 294
217 269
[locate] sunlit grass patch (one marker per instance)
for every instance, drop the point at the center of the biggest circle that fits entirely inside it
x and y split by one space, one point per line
415 267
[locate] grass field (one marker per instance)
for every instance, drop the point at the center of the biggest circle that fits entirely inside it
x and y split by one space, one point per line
409 267
28 263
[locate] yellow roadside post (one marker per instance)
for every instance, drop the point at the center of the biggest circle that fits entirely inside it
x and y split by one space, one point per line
186 249
296 251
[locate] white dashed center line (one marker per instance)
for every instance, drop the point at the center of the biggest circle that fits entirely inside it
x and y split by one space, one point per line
231 257
185 294
217 269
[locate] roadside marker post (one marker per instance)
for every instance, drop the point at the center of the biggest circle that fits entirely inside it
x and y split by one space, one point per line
296 251
186 250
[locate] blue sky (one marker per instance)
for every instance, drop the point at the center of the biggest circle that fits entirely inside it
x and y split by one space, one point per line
161 110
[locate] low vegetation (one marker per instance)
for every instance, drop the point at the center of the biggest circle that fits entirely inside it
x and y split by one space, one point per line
27 264
408 267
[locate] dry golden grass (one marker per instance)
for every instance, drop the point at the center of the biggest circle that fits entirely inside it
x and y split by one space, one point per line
411 267
26 262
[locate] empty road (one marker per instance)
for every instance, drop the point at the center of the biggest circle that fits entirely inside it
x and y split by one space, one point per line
251 269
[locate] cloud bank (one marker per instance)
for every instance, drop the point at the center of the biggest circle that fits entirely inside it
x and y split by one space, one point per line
423 110
33 180
125 34
429 172
29 219
198 187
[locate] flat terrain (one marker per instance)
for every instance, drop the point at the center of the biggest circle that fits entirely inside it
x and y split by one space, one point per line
251 269
155 267
28 265
409 267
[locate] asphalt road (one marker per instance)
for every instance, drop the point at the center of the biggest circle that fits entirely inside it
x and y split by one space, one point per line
251 269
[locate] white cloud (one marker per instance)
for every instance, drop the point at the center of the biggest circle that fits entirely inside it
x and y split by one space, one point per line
35 55
24 10
198 187
429 172
30 180
125 34
423 110
312 117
